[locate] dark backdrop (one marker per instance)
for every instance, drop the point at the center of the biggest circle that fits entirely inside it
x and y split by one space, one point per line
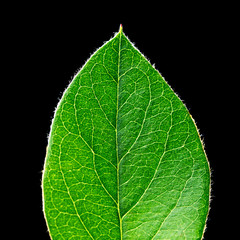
50 44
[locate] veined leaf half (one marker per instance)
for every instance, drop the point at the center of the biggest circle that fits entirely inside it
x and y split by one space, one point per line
124 159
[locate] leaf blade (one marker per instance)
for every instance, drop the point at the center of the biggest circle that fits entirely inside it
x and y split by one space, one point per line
121 125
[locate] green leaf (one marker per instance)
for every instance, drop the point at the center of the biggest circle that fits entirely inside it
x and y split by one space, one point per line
124 159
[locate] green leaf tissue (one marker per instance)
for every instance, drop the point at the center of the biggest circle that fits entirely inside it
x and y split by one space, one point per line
124 159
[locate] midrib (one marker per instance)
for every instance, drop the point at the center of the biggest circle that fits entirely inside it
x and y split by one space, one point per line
118 206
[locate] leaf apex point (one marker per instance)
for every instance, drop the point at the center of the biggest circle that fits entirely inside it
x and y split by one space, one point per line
120 28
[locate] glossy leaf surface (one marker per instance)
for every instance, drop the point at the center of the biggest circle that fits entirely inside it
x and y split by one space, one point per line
124 160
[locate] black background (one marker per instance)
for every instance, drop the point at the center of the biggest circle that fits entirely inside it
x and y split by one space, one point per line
47 45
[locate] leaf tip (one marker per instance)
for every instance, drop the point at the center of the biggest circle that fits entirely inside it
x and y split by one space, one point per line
120 28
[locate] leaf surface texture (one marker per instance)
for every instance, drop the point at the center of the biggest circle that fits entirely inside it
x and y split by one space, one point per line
124 160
